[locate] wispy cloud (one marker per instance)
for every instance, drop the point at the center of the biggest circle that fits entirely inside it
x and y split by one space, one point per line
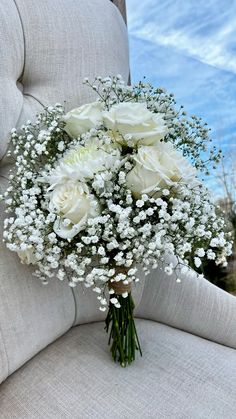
202 30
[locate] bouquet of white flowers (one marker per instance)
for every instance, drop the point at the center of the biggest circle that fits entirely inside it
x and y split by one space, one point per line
110 186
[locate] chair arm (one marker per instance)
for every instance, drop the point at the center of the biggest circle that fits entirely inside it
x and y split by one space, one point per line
193 305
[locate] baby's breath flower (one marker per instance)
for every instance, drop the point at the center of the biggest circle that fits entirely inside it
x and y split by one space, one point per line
112 227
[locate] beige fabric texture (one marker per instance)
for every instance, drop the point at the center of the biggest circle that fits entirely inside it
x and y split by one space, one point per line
48 47
180 376
31 315
194 305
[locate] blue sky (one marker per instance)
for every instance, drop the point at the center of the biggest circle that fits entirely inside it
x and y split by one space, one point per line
189 47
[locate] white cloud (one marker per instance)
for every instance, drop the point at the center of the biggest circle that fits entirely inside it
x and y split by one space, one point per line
210 51
202 30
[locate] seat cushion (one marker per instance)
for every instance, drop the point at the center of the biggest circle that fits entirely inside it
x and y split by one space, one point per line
179 376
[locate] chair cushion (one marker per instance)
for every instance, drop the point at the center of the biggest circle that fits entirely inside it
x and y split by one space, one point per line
179 376
47 47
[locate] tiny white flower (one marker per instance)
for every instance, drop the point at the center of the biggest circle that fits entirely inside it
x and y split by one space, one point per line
165 192
114 300
168 270
61 146
139 203
200 252
197 262
72 284
97 290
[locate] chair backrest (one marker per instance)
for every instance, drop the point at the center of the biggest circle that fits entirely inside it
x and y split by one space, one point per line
47 47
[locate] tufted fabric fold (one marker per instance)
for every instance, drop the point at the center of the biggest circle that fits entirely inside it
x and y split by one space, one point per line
194 305
12 63
48 47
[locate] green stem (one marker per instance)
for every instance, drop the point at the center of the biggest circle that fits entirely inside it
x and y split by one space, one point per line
123 335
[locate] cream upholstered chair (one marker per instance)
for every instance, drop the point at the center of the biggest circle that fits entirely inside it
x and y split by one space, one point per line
48 367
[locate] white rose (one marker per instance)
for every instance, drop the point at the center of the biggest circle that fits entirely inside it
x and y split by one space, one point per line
83 162
27 256
82 119
74 205
158 166
134 120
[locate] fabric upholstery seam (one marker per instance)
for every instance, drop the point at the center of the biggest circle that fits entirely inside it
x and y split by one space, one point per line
33 97
24 40
74 298
6 354
75 316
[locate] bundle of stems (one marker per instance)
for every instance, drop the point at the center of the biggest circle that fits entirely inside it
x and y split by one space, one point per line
123 336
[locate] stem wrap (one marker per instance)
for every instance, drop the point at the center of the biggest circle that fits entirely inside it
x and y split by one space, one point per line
120 321
119 287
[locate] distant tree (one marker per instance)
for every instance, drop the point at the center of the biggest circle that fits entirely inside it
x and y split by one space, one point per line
227 179
226 277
